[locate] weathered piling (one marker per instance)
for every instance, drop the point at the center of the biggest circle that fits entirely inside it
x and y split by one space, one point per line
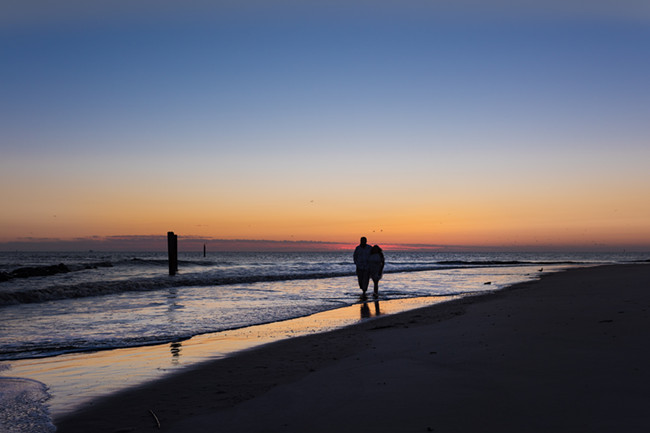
172 252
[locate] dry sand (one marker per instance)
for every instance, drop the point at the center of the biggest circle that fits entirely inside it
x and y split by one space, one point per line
568 353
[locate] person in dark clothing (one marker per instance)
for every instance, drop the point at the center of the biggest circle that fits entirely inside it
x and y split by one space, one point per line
361 256
376 266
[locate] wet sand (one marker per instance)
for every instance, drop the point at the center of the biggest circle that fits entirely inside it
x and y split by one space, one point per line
75 379
566 353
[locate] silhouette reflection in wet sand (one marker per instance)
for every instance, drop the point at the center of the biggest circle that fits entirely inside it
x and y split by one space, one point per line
365 309
175 349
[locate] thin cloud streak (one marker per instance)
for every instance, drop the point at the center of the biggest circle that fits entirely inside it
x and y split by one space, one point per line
158 243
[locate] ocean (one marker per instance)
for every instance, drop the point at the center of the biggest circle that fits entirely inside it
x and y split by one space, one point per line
58 305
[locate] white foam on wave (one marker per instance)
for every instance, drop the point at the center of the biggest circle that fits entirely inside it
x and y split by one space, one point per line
22 406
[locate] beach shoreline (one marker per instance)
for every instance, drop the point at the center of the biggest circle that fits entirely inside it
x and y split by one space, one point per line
539 356
75 380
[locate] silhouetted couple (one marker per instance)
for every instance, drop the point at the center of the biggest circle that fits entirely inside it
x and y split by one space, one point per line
370 264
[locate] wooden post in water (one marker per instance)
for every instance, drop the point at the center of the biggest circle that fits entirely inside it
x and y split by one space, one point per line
172 252
203 250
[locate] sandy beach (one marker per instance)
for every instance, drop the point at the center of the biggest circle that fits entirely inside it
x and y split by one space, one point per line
566 353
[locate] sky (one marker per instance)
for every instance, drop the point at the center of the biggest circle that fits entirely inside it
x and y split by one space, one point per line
491 124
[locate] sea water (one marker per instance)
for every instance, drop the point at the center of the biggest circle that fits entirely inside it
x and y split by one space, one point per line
111 300
22 406
64 303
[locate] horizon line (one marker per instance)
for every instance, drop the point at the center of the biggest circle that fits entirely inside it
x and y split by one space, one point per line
189 243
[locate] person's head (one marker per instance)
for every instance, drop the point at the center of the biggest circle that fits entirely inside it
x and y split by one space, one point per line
363 240
375 249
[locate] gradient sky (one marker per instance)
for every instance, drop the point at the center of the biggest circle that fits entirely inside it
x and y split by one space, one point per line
445 123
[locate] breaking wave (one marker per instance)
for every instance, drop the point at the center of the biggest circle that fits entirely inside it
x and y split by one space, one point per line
207 278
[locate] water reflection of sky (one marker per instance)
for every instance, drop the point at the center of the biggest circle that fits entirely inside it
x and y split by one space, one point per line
171 314
75 379
139 318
